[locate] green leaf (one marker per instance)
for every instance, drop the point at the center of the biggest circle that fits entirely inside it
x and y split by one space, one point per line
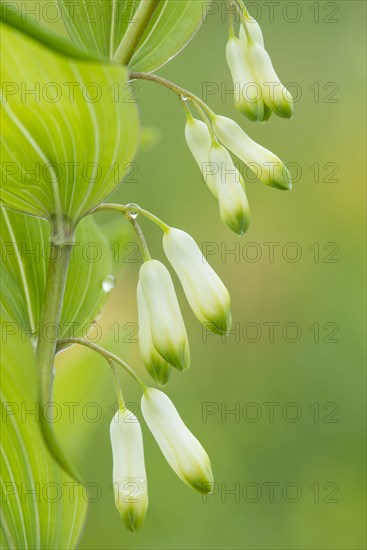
53 515
66 146
101 28
22 270
173 25
25 249
10 16
90 280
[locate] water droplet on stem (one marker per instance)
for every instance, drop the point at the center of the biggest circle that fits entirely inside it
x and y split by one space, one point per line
108 283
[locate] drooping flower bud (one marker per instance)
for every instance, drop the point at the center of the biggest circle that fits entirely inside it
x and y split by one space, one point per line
274 94
182 450
129 476
168 331
233 204
208 297
199 141
253 29
267 166
157 367
248 93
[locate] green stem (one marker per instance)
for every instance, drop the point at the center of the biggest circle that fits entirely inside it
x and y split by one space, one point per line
205 112
174 88
241 10
206 119
141 239
230 20
46 349
116 380
126 208
106 354
242 6
186 108
135 31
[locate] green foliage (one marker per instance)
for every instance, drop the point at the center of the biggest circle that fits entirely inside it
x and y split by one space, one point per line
52 517
170 29
79 146
172 26
25 249
69 132
102 33
41 33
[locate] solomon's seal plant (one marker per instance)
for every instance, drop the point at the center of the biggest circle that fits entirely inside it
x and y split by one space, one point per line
71 144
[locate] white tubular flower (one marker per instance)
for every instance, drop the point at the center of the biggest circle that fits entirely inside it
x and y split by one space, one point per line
274 94
267 166
199 141
129 476
248 93
167 328
182 450
208 297
254 30
157 367
233 204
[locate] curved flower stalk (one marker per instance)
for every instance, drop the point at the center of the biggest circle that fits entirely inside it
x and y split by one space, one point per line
252 28
129 476
183 452
208 297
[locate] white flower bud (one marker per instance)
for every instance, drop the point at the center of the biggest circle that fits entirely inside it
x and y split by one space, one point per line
129 476
199 141
254 30
248 93
274 94
182 450
267 166
208 297
157 367
233 204
166 324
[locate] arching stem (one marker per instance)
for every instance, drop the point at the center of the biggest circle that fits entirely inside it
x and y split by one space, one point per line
175 89
104 353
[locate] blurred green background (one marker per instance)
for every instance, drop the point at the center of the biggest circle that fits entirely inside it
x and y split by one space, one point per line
289 463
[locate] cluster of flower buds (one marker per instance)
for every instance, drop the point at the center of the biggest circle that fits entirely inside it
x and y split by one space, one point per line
259 91
164 346
162 334
269 169
210 141
220 173
182 450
